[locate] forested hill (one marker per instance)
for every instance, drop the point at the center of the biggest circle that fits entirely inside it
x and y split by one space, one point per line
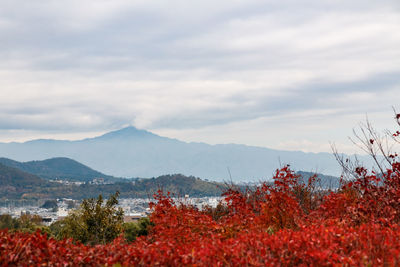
181 185
14 182
58 168
21 180
17 184
10 176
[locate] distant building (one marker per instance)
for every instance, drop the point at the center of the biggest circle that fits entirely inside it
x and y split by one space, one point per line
133 217
99 180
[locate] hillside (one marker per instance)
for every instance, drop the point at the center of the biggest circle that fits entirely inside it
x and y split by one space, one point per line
17 184
14 182
58 168
180 185
130 152
14 177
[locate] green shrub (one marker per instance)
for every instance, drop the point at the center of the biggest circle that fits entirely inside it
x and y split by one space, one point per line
132 230
94 222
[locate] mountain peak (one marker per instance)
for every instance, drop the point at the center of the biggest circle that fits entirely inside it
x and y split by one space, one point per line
128 132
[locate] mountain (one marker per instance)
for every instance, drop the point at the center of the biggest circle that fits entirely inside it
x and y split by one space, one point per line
58 168
131 152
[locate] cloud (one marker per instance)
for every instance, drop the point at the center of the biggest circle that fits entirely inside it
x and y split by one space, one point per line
179 66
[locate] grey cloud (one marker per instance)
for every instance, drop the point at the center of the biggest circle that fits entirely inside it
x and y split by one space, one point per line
142 36
98 66
313 96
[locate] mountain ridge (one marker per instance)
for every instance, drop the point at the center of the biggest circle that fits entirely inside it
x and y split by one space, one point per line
130 152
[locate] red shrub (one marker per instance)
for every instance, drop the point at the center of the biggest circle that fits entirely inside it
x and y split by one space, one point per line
285 224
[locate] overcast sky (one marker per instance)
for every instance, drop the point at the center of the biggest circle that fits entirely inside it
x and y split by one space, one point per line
291 75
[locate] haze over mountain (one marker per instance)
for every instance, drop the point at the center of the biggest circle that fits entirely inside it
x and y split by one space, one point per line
131 152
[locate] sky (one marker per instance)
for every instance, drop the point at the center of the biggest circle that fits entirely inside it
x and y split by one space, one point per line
291 74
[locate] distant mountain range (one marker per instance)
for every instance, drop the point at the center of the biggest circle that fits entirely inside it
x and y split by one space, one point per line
130 152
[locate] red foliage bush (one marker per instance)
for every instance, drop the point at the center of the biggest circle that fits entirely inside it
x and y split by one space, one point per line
284 224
